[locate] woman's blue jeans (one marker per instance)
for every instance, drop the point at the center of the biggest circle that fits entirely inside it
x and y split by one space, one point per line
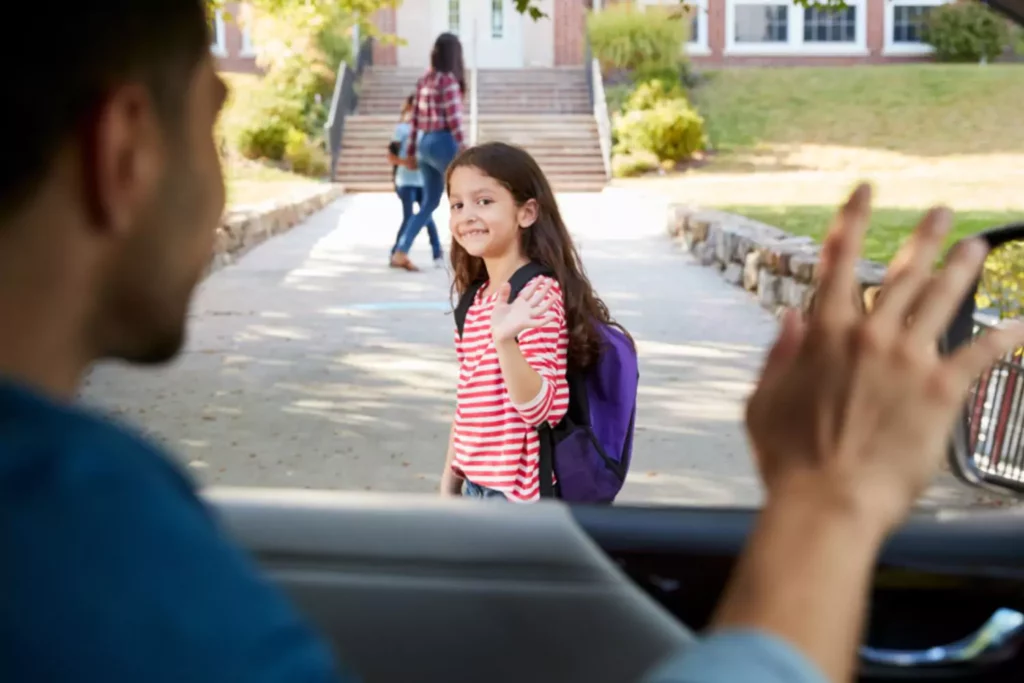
433 154
411 195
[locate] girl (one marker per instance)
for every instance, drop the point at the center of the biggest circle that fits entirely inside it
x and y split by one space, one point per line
409 183
513 357
436 135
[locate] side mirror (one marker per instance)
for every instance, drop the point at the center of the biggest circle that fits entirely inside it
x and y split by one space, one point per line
987 449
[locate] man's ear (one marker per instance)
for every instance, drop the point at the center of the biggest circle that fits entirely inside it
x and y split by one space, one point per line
527 214
125 157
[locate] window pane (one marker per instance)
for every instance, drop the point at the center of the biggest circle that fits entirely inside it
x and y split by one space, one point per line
497 18
830 26
453 16
762 24
906 23
695 27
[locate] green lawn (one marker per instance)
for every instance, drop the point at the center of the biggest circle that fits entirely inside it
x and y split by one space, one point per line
889 227
915 109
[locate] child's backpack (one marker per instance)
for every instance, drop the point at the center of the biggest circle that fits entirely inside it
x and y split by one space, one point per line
395 148
589 451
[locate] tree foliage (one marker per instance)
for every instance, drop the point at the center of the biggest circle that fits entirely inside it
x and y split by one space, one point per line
1002 282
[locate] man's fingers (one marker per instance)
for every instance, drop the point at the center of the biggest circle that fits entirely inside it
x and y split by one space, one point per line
910 271
938 303
971 360
786 347
839 255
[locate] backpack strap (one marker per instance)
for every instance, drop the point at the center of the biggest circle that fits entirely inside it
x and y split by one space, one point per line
547 462
465 301
517 282
522 277
548 489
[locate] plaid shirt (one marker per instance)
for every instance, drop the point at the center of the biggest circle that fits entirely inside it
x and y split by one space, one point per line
438 107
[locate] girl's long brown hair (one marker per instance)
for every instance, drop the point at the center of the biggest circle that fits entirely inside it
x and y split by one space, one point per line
547 242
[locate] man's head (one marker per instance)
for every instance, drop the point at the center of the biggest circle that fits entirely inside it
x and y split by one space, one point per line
111 184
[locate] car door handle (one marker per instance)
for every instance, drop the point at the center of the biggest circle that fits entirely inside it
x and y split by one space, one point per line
997 640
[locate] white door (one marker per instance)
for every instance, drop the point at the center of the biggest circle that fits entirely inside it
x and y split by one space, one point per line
490 31
499 36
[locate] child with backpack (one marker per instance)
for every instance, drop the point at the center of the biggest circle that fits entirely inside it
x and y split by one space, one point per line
546 399
409 183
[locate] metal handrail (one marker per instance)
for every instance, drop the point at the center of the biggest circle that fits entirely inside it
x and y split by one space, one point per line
344 99
599 106
474 97
474 107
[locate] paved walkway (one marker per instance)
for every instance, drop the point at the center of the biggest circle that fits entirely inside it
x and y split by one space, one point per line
312 364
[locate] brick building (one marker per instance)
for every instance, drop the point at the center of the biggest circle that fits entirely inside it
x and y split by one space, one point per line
231 43
723 32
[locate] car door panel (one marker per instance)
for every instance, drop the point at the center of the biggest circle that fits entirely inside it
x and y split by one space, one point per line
416 588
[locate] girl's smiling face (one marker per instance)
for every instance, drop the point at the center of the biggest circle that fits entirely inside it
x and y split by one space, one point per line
485 219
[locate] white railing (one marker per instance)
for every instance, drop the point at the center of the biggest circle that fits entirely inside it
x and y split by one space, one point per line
604 123
474 107
474 99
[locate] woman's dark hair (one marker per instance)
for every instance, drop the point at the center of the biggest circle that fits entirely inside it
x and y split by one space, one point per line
547 242
447 57
408 104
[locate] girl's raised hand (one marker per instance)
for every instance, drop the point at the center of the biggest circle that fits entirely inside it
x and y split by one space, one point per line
532 308
855 410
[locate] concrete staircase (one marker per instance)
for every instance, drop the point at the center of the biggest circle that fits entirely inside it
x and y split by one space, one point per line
566 146
545 111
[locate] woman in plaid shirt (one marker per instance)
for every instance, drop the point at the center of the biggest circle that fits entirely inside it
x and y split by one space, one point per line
436 135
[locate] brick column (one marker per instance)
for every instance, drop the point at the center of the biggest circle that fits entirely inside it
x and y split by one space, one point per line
570 27
386 21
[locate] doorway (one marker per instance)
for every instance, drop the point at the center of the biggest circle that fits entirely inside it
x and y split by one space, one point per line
490 31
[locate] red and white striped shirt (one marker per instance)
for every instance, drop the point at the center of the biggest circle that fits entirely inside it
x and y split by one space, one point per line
496 443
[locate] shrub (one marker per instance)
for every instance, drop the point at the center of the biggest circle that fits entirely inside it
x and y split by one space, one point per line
649 94
623 37
303 155
634 164
1002 281
671 130
965 32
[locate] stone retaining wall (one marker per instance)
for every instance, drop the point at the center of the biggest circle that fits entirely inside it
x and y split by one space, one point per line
242 229
778 267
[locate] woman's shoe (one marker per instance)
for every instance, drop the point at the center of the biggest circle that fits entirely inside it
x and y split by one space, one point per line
400 260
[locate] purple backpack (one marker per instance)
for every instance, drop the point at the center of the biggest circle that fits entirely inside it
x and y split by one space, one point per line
589 451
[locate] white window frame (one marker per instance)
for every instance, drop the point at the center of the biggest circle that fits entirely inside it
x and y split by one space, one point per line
891 48
219 48
795 45
696 48
244 27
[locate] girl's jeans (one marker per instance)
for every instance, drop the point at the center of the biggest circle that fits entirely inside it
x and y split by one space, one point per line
471 490
411 195
435 151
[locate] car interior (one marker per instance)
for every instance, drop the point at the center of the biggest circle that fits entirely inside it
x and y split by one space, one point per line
419 588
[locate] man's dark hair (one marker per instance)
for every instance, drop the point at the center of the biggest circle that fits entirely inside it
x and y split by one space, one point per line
52 88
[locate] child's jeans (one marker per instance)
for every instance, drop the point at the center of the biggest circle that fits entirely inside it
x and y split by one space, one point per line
471 490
